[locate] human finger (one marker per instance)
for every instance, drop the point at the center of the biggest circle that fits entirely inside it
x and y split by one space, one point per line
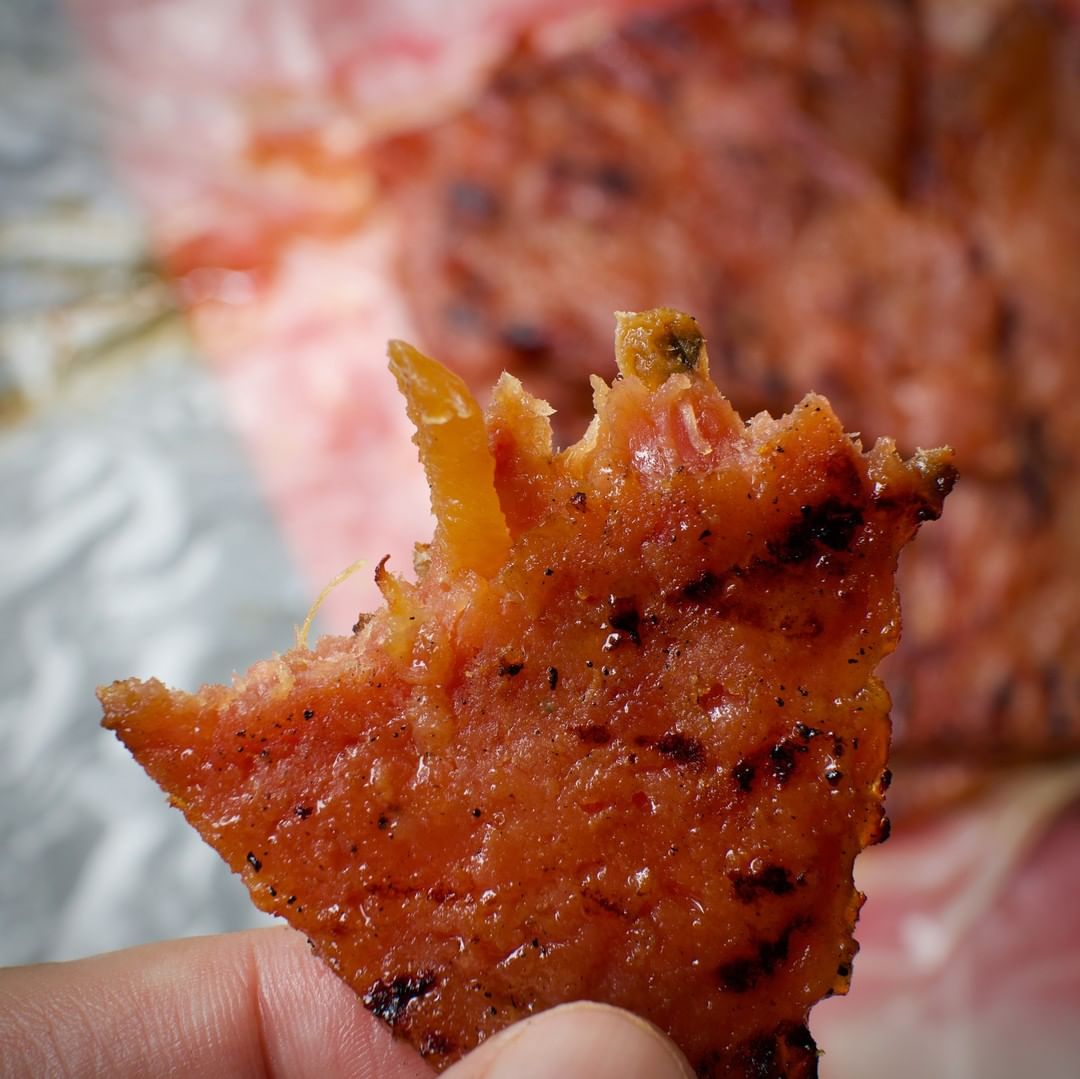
244 1004
576 1041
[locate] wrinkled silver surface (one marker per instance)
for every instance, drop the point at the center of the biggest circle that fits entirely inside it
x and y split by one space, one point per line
132 538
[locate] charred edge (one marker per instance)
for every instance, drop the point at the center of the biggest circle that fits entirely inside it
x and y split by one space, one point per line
832 524
772 880
886 779
941 483
684 347
389 1001
594 734
680 748
625 620
798 1036
884 831
381 572
434 1044
789 1053
743 974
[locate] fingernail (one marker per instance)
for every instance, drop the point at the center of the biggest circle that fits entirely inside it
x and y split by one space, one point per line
576 1041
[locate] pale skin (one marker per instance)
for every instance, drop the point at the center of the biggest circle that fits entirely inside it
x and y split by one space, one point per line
259 1004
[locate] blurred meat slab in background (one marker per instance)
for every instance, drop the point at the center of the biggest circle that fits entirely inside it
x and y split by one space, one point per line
870 198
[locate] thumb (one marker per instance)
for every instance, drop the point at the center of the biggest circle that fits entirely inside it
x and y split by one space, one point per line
576 1041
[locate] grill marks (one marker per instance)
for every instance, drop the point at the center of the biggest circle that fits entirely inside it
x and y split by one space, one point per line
749 593
831 524
768 880
746 972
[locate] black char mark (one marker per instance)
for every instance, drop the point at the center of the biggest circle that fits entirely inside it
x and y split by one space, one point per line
625 620
680 748
744 773
782 758
771 880
685 347
701 588
831 524
790 1051
743 974
389 1001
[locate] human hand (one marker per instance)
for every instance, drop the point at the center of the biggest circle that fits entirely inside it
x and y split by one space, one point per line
259 1004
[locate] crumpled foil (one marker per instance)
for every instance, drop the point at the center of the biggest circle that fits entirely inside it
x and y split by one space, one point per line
133 540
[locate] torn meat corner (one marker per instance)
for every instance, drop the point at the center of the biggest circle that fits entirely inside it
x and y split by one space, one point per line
557 671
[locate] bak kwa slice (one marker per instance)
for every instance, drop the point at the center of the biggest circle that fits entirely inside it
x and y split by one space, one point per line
620 741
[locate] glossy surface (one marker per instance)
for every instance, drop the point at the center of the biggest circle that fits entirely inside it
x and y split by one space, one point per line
633 763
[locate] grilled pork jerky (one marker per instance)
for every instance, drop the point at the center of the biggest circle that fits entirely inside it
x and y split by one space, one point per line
621 739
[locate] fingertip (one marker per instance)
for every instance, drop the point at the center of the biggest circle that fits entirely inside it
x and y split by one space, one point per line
583 1040
312 1023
